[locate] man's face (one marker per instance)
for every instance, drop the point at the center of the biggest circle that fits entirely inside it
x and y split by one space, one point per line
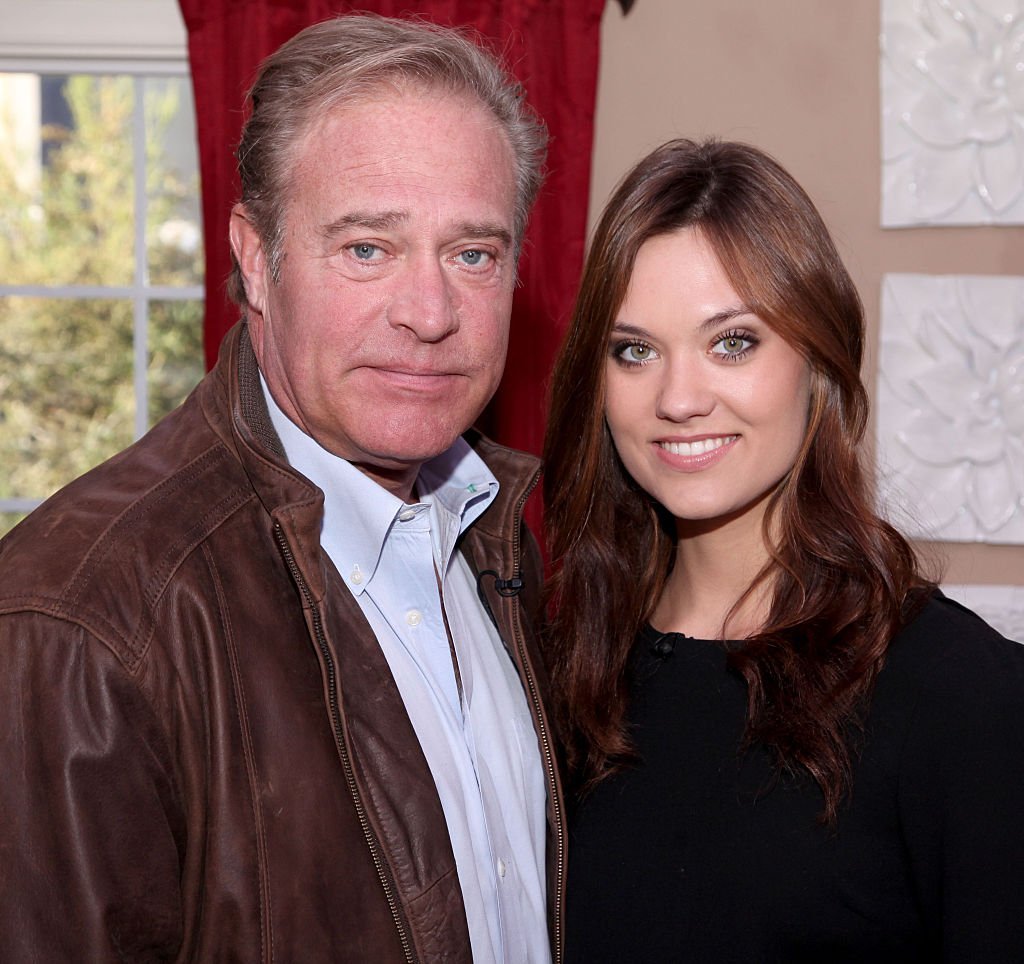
386 333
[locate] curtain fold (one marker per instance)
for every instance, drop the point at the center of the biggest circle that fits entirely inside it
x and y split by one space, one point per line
552 47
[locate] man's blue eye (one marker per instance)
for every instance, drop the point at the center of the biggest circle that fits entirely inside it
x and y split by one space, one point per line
473 257
364 251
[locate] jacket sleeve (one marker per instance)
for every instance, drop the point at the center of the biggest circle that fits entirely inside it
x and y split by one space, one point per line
961 795
91 837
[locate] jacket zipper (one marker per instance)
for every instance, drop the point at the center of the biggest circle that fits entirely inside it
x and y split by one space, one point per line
339 739
549 757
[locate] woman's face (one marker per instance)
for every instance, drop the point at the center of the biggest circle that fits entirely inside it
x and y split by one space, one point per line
706 404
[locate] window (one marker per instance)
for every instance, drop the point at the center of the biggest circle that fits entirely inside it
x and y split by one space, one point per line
100 242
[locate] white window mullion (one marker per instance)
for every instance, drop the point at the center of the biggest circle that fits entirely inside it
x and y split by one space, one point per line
19 505
140 277
155 292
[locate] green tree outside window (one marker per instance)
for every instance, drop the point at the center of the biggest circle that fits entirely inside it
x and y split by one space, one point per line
68 383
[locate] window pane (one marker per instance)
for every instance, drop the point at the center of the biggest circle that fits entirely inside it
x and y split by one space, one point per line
175 354
66 179
173 225
66 385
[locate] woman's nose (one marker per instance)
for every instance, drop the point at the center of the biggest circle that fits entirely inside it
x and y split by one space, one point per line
685 391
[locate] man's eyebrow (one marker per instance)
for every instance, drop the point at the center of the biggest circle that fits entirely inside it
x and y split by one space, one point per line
479 230
386 220
371 220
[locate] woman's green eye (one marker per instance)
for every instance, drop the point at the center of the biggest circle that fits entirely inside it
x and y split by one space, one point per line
636 353
733 345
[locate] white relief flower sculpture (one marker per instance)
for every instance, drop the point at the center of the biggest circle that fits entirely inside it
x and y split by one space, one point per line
953 112
950 410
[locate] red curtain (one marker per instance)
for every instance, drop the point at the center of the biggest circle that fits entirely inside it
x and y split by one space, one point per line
551 45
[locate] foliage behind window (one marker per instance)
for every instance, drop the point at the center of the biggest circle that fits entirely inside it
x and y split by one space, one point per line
84 285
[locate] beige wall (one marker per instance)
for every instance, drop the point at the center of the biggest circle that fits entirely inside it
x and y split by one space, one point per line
798 78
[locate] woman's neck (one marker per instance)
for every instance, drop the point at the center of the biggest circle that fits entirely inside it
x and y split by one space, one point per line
714 566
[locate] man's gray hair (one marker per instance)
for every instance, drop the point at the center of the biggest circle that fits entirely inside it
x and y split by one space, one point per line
354 57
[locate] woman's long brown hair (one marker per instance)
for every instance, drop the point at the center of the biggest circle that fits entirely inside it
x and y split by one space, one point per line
842 581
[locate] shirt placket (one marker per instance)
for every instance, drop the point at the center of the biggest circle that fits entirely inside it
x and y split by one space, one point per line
419 624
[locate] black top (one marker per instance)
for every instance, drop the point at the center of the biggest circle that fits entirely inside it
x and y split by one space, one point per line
696 855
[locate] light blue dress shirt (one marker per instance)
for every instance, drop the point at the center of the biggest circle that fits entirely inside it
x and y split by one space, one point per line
480 745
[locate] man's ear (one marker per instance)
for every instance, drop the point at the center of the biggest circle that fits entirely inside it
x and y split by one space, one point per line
247 248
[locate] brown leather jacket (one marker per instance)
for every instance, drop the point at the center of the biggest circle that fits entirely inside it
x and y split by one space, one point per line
203 754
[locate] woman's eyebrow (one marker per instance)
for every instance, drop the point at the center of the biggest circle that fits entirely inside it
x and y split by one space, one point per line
714 321
724 316
624 329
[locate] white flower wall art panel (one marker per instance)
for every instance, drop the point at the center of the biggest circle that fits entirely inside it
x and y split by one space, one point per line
952 78
950 406
1001 606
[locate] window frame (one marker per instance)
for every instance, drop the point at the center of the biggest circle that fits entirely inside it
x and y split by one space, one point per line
63 37
122 34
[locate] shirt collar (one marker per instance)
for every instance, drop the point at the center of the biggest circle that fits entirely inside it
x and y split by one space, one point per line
359 514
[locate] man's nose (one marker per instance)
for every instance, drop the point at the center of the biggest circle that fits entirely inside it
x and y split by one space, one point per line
423 301
685 391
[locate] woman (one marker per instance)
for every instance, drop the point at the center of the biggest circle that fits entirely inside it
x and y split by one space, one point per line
787 745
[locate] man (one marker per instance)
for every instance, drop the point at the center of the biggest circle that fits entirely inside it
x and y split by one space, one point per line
252 707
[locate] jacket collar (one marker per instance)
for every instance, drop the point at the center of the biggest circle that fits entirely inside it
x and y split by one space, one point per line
235 406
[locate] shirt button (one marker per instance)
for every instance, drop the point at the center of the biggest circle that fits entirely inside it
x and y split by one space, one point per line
414 617
406 514
501 868
357 575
